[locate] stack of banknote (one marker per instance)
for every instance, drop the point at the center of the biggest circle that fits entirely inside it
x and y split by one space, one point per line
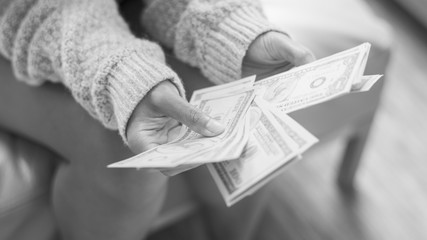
260 139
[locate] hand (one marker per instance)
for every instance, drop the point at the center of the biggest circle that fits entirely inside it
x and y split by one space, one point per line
274 52
156 120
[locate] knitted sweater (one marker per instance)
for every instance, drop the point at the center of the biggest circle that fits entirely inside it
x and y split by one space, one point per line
88 47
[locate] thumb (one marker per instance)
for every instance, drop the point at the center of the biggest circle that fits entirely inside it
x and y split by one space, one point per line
192 117
281 47
174 106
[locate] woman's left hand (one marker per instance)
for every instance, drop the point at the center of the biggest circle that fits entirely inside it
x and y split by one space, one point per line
274 52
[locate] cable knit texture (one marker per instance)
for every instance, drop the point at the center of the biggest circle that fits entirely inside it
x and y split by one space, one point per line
87 46
212 35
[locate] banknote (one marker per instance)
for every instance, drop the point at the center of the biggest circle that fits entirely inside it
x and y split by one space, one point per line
229 110
303 138
226 89
260 140
316 82
299 135
366 83
223 89
268 148
228 150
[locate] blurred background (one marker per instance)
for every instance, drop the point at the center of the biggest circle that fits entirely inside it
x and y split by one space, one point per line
389 200
382 134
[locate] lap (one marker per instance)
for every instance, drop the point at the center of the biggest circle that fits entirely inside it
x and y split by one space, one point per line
50 116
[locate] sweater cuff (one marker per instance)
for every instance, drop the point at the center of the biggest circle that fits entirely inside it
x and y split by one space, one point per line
225 46
131 79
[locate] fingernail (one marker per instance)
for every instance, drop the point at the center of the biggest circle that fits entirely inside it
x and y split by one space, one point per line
215 127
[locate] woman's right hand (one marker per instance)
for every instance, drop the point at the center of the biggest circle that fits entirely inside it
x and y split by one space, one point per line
157 119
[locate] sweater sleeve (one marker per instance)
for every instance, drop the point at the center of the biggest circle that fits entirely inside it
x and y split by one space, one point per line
88 47
212 35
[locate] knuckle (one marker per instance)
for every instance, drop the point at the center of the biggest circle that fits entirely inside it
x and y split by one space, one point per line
301 52
162 94
195 116
308 55
157 97
305 56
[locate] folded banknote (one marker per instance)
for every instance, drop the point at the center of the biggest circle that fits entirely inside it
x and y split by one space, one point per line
260 140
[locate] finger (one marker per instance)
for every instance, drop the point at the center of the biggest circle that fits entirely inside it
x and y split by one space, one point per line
174 129
143 140
168 102
287 49
138 144
192 117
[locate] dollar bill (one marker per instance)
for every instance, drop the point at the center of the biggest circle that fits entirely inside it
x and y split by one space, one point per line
303 138
229 110
316 82
365 84
268 149
260 140
238 86
226 89
229 150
